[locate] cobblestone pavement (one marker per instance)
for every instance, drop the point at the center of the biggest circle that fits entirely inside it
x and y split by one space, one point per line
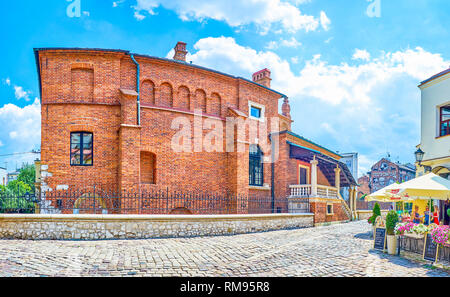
339 250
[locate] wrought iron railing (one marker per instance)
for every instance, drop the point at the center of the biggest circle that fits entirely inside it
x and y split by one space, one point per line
154 201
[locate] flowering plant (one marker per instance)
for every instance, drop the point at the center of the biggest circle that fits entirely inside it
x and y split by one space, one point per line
402 228
441 235
420 229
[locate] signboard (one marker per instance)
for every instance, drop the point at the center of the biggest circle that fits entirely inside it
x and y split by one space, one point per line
430 250
380 239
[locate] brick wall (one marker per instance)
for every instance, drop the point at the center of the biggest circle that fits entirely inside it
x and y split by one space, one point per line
81 91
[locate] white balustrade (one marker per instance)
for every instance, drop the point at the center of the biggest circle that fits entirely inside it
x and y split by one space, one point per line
305 191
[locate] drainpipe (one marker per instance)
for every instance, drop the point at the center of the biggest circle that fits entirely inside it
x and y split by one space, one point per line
272 179
137 89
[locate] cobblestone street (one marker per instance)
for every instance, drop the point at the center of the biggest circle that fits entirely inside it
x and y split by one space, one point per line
339 250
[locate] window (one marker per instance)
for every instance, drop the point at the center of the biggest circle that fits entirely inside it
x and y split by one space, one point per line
445 121
303 175
256 168
81 149
255 112
330 209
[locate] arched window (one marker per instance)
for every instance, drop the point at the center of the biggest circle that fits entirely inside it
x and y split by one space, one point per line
256 167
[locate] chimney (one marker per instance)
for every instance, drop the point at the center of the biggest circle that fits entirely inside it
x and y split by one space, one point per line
262 77
180 51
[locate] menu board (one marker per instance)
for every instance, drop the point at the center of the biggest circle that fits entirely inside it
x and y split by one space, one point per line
430 250
380 239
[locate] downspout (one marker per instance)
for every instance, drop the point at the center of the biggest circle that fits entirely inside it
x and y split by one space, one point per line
138 71
272 179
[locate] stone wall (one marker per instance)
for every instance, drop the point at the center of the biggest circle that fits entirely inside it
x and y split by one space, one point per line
94 227
366 214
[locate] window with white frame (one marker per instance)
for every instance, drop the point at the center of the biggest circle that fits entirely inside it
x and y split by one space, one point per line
256 111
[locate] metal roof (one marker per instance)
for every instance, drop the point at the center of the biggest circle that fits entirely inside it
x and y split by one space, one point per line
435 76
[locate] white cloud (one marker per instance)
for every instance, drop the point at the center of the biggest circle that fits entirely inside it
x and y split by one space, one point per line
20 93
1 143
23 126
291 43
371 105
7 81
361 55
325 22
266 14
117 3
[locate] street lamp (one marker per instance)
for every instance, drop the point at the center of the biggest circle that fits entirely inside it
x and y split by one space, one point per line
419 158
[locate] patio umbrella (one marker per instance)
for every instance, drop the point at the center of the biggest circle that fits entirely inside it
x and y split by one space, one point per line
384 196
430 186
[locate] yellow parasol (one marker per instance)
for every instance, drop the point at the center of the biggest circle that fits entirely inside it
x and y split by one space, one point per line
384 196
429 186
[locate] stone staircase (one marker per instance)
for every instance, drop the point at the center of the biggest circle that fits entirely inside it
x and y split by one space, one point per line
346 208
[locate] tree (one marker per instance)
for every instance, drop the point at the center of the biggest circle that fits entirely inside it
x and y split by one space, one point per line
27 175
17 187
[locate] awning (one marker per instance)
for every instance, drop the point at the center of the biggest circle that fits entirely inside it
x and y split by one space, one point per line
326 164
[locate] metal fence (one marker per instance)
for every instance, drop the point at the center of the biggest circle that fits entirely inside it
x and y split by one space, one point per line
155 201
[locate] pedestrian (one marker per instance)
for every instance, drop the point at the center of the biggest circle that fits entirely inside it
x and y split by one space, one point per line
416 215
427 216
436 215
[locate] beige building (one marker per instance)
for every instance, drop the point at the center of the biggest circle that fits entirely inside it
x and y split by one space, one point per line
435 131
433 152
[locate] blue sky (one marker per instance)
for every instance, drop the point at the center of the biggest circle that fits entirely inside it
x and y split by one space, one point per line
352 79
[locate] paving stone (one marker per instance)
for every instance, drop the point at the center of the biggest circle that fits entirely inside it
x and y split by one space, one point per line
339 250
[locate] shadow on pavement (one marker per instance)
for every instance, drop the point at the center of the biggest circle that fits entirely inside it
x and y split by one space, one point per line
365 236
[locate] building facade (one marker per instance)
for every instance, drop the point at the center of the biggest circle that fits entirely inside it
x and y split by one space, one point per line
351 160
3 176
12 176
385 173
111 119
435 130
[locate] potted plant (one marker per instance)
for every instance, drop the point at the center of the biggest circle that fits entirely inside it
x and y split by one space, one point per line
391 222
376 212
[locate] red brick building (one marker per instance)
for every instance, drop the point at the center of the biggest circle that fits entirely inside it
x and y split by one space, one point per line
108 120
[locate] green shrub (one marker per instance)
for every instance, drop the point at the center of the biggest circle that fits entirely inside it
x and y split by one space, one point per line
391 222
376 212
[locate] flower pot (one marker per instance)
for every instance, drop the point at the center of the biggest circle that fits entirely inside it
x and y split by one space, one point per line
392 244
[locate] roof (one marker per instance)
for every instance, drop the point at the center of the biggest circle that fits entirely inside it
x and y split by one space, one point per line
38 50
435 76
311 142
326 164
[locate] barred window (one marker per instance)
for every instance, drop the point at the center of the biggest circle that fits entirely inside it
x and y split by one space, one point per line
256 167
81 149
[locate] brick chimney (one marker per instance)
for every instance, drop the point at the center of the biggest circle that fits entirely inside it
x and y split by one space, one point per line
262 77
180 51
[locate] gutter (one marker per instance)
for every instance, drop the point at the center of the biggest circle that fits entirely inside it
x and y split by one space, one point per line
138 71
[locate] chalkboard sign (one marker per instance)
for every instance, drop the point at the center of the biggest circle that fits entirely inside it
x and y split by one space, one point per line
380 239
430 250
